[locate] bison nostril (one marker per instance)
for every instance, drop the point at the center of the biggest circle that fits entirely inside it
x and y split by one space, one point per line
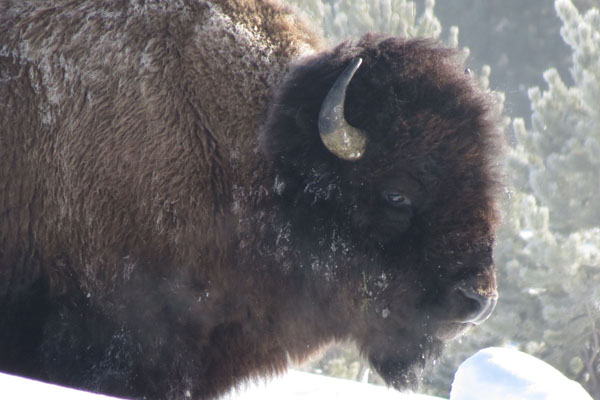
482 306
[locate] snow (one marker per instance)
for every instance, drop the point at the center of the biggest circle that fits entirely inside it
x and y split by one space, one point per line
296 385
492 374
508 374
17 388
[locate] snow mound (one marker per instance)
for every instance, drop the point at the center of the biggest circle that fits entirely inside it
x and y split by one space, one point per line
296 385
507 374
17 388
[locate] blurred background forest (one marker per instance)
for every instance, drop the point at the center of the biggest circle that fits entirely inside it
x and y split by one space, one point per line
542 60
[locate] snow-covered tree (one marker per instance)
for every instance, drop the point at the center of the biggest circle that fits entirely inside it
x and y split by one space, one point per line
348 19
554 214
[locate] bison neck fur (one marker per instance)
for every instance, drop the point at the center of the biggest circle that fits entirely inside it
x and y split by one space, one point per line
172 225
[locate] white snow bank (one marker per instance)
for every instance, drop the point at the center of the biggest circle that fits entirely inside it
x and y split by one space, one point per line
17 388
490 374
296 385
507 374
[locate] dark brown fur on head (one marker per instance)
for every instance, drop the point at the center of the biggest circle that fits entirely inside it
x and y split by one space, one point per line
431 138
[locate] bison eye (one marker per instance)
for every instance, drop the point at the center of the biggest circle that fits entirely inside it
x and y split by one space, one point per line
396 199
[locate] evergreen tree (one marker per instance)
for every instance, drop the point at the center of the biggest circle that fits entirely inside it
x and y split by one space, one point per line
519 39
555 212
350 19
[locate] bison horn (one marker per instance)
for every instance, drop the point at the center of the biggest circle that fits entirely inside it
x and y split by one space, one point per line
341 138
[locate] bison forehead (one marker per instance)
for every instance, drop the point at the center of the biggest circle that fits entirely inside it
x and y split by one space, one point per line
411 98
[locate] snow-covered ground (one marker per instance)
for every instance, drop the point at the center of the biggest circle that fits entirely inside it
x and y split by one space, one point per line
296 385
17 388
491 374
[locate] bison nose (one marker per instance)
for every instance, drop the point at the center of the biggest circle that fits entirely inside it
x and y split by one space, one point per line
480 305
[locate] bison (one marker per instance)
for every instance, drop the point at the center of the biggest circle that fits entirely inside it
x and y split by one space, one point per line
196 192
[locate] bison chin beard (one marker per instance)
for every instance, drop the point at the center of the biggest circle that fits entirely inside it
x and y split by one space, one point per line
402 369
398 374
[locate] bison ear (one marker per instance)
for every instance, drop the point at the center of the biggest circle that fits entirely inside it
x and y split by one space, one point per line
338 136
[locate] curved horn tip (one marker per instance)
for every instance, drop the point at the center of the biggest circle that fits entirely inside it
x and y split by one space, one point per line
354 64
339 137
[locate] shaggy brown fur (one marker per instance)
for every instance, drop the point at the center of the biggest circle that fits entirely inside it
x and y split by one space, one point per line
152 245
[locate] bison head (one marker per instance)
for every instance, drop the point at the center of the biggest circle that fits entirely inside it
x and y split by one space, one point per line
384 154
